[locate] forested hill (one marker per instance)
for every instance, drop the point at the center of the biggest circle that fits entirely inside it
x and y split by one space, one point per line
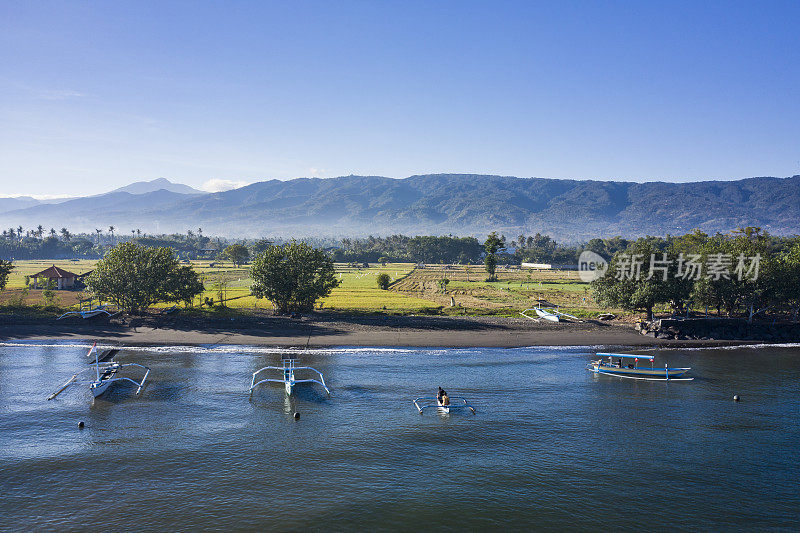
568 210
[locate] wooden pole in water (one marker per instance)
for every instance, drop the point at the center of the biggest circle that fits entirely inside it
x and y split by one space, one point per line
59 391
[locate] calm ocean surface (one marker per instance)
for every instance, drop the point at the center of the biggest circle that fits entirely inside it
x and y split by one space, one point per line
552 447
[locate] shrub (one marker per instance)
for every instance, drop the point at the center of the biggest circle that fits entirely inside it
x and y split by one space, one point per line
134 277
383 281
293 276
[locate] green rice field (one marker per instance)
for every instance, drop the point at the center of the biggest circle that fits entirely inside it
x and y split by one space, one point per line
414 289
358 290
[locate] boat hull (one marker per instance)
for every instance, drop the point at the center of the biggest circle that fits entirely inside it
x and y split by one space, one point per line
99 388
658 373
547 316
106 379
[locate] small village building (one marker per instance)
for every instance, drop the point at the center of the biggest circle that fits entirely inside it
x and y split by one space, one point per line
61 278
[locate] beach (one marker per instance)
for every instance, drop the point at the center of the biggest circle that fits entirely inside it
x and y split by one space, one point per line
321 330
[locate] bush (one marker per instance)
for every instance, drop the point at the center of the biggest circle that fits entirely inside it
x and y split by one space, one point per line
293 276
237 254
49 294
134 277
5 269
383 281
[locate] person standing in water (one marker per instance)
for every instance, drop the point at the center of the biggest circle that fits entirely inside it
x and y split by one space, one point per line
442 397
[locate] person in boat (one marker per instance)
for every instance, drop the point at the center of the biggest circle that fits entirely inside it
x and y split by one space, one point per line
442 398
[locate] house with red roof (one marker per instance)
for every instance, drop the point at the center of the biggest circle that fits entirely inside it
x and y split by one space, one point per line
63 279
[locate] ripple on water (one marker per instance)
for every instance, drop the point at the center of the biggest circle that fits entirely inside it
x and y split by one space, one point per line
550 443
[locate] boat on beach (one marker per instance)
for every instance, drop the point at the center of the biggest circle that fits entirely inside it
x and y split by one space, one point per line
624 368
88 313
547 311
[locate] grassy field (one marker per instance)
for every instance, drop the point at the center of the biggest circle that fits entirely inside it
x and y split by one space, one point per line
414 290
16 282
27 268
515 290
358 291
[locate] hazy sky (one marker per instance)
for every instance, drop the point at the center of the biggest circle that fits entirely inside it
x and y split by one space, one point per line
95 95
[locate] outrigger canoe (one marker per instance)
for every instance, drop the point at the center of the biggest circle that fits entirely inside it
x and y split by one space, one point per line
624 369
433 403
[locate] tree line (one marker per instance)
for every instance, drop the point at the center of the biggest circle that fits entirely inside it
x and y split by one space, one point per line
39 243
745 272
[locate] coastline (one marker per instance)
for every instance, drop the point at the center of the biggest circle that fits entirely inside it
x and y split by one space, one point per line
327 331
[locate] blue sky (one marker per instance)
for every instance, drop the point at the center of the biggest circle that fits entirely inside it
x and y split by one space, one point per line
95 95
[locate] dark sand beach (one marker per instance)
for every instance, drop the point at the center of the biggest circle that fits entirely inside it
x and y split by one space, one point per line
328 330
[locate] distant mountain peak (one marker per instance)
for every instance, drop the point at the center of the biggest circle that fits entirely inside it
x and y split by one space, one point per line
143 187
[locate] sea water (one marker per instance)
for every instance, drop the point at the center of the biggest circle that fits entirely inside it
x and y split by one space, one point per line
551 447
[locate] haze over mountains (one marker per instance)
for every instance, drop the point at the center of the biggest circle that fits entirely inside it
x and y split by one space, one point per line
568 210
144 187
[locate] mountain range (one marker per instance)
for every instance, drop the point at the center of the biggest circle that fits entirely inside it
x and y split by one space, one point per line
461 204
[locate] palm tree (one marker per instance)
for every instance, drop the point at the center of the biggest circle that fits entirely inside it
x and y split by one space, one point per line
138 232
65 234
111 231
39 231
98 231
52 232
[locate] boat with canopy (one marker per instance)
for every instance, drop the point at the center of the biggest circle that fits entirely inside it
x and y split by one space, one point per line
288 378
624 368
105 374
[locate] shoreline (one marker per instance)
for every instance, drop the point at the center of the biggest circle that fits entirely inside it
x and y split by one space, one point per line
326 331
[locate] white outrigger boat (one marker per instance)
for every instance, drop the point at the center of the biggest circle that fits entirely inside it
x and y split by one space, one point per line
632 370
88 313
289 381
105 369
433 403
547 313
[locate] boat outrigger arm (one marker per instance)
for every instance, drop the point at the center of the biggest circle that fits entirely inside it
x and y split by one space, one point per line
288 380
105 372
633 370
433 403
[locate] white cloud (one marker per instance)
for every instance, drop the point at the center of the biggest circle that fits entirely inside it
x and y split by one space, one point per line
219 185
315 172
59 94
